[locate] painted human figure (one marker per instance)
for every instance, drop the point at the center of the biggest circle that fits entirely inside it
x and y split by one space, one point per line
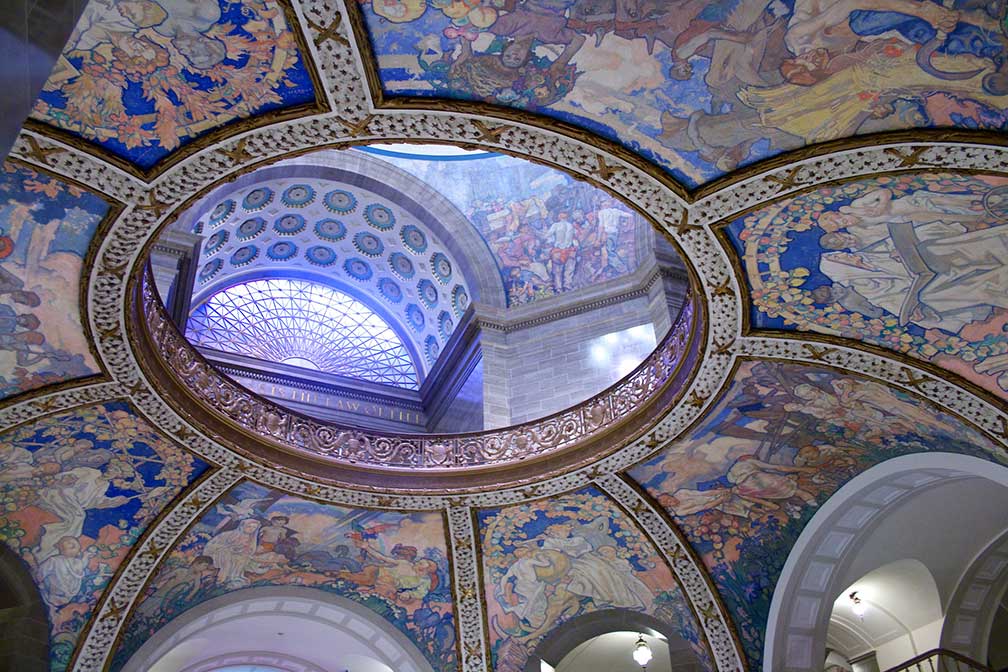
61 576
563 251
69 497
234 552
619 586
922 257
277 537
614 221
765 484
520 591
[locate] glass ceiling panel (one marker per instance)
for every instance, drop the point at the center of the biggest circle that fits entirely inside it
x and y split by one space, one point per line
304 324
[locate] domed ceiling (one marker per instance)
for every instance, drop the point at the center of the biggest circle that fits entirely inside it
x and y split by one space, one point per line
849 294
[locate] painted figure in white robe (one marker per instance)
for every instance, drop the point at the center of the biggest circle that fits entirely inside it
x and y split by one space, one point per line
521 592
921 257
233 553
619 586
69 498
61 576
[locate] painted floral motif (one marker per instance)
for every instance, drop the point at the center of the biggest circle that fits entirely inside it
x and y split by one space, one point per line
393 563
548 233
45 229
143 77
701 87
549 561
914 263
783 439
76 492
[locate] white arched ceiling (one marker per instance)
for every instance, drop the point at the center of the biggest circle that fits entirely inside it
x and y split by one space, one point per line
899 598
293 629
905 508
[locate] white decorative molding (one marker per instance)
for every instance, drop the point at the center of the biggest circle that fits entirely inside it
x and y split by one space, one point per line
468 589
42 405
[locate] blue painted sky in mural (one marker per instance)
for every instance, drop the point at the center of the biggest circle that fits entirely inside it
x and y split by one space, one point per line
143 82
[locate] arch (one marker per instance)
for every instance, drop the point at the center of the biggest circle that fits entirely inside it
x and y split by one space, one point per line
24 646
321 292
350 627
971 610
902 606
566 637
825 558
358 169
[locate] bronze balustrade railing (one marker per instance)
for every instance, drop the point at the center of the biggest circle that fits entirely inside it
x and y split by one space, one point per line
295 432
940 660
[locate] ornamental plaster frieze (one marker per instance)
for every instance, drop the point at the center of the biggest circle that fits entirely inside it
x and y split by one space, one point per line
37 406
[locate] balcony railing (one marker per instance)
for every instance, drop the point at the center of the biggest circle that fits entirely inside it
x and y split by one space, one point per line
940 660
257 416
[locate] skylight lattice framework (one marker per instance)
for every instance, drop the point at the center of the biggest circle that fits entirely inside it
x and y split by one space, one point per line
293 321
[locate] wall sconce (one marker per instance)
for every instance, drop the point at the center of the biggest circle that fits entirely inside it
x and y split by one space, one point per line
642 652
857 606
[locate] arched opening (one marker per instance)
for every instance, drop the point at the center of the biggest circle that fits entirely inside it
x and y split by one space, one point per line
925 515
24 646
889 615
283 629
604 640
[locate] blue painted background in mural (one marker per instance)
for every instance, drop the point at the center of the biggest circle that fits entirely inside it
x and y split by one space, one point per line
393 563
45 229
143 77
76 492
783 438
549 233
702 87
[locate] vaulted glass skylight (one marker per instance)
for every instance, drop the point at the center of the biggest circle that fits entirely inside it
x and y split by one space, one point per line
303 324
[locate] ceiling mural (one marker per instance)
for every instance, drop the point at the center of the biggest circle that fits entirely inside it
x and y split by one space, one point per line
140 78
46 226
391 562
701 88
917 263
548 561
549 233
783 438
367 244
76 492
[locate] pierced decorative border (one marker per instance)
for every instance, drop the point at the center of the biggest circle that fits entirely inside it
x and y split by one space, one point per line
468 589
57 402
